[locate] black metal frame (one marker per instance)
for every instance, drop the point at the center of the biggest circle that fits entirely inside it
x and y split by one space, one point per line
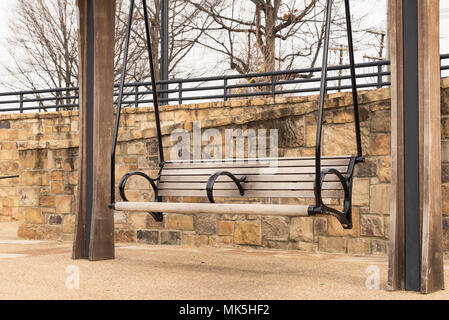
164 49
346 180
157 215
345 216
9 177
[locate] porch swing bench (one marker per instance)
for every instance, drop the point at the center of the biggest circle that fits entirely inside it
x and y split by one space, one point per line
313 177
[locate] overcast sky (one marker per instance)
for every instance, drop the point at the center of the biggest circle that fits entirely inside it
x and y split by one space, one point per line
375 11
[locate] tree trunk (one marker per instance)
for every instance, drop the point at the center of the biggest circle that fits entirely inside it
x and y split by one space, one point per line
270 45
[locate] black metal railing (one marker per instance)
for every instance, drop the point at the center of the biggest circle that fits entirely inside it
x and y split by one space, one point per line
370 75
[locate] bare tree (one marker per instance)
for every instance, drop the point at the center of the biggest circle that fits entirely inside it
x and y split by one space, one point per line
183 36
43 45
43 42
269 35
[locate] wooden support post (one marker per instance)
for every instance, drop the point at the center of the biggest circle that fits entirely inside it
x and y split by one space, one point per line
94 229
415 252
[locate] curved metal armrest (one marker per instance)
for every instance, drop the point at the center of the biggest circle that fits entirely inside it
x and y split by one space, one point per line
340 176
213 178
343 217
156 215
125 178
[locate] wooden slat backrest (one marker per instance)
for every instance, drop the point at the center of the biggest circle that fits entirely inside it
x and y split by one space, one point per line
277 178
248 163
337 194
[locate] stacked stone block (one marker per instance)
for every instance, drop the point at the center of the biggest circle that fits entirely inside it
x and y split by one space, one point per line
44 152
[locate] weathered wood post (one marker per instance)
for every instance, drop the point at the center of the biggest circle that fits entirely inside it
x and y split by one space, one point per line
94 230
415 253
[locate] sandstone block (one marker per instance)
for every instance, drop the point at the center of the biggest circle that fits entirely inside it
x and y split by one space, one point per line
247 233
57 188
310 136
360 192
380 199
148 237
379 247
153 224
359 246
63 204
180 222
280 245
445 173
381 145
445 198
120 217
46 232
47 201
381 121
332 244
73 178
137 220
34 216
195 240
344 116
320 226
34 178
225 228
171 237
445 151
366 169
445 128
125 235
340 139
275 228
305 246
68 224
385 170
445 234
217 241
28 197
206 224
372 226
301 229
57 175
54 219
26 233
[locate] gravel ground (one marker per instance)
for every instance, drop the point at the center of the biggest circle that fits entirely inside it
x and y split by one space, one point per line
38 270
44 270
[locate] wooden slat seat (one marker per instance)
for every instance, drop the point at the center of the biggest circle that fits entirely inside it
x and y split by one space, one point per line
263 178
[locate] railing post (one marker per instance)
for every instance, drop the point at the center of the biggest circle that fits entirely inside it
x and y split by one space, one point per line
21 102
180 92
273 86
76 101
57 101
136 96
379 75
225 89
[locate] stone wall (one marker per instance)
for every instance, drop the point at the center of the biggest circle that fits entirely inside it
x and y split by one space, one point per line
17 131
43 149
